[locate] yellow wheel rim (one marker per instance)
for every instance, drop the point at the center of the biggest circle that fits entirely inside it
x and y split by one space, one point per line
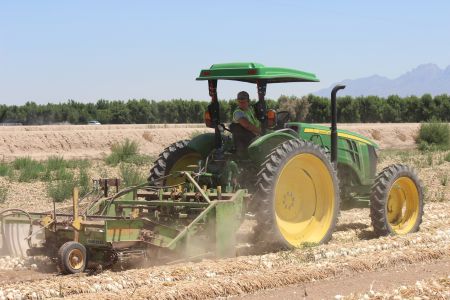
403 205
304 200
75 258
182 165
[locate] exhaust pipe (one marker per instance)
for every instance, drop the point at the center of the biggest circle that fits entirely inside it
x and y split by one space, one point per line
334 136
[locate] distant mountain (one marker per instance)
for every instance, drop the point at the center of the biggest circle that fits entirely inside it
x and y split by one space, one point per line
425 79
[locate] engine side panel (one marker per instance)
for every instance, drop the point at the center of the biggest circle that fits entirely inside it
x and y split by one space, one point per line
354 151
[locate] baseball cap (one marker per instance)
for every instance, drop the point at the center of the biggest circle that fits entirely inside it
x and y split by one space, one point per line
243 95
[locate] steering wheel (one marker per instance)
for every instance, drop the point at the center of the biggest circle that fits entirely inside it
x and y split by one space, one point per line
283 117
223 128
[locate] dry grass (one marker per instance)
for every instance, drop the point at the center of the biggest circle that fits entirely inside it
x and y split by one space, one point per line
147 136
376 135
431 167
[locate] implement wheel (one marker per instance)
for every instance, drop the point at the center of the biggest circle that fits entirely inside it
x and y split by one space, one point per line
72 258
396 202
298 196
176 157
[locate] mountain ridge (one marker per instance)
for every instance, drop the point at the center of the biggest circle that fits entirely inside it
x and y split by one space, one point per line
423 79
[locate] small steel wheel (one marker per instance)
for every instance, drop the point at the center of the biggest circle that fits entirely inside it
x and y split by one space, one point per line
72 258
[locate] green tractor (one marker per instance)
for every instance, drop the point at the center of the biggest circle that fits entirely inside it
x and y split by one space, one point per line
298 175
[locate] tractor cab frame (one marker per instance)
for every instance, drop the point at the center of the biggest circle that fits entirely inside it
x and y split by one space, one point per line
246 72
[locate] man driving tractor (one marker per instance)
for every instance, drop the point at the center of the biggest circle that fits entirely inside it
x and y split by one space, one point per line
245 126
244 114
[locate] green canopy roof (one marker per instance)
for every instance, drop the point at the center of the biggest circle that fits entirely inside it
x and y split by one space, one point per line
252 72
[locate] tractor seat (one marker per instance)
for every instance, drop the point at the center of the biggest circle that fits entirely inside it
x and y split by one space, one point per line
242 138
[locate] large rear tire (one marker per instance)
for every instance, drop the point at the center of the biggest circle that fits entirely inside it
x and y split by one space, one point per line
298 196
176 157
396 202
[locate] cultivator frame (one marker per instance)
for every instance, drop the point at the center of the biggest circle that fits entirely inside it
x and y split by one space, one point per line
161 224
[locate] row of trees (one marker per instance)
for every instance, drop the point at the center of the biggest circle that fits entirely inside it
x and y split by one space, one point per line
309 108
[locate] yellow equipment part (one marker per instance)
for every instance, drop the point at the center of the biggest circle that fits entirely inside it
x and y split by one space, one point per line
304 200
75 259
403 205
182 165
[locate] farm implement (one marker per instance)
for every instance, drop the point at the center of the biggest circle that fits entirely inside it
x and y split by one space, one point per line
137 222
293 179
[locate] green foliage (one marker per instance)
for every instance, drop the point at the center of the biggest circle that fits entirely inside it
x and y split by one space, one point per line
404 156
83 182
63 182
430 159
370 108
434 136
29 174
359 109
59 174
5 169
122 152
348 110
47 175
60 190
444 179
319 111
3 194
55 163
29 169
447 157
297 107
131 175
78 164
140 159
22 162
62 174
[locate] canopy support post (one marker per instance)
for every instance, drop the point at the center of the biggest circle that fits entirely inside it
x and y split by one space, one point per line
214 112
260 106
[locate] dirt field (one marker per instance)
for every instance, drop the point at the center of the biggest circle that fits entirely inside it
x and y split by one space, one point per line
354 265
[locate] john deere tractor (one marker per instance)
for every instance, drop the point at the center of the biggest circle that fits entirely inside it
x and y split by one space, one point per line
298 176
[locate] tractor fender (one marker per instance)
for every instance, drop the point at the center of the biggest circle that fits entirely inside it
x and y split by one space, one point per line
264 145
202 143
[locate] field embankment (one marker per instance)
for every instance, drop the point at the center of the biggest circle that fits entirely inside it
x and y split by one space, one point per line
83 141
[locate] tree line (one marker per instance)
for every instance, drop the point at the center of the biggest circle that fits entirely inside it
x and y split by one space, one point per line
308 108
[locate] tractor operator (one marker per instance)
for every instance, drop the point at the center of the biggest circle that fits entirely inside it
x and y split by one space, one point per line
245 126
244 115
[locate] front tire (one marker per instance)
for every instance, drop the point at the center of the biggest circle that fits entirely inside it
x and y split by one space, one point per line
396 202
298 196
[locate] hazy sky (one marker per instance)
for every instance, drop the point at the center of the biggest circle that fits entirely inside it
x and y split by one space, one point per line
51 51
